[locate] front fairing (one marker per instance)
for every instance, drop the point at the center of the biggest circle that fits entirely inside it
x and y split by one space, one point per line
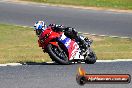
47 36
43 34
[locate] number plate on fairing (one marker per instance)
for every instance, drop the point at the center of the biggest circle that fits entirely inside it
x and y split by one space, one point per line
78 56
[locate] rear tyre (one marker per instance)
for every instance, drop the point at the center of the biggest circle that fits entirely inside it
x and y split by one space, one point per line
91 58
56 55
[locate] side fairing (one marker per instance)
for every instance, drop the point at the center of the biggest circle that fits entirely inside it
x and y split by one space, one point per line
71 46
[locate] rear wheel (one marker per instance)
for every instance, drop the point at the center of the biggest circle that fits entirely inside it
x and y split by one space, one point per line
57 54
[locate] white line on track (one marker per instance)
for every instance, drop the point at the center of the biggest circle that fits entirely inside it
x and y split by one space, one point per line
11 64
101 61
117 60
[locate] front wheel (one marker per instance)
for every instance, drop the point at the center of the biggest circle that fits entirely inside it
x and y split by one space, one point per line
91 58
57 54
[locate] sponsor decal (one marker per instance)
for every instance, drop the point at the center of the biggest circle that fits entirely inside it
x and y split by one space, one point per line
68 43
73 49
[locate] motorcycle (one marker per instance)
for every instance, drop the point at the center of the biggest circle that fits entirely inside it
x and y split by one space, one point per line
64 50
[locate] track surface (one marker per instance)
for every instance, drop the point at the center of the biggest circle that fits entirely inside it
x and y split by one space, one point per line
92 21
59 76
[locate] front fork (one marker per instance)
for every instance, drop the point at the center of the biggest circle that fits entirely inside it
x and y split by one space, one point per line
87 52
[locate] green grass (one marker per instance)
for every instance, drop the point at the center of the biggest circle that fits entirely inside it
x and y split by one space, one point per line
117 4
19 44
113 48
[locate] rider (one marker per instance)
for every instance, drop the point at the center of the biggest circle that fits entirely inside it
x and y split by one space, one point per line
40 26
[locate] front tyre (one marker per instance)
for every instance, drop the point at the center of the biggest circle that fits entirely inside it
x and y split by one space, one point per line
57 55
91 58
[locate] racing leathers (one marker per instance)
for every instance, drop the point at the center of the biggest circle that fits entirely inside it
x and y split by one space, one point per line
73 34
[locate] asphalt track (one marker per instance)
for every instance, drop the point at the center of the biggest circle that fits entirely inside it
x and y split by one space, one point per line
91 21
64 76
59 76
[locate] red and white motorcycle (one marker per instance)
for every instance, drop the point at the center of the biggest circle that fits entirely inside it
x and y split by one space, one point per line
64 50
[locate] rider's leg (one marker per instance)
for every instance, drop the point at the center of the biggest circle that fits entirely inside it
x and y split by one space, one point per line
79 38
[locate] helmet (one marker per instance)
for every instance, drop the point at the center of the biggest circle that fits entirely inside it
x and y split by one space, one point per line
39 27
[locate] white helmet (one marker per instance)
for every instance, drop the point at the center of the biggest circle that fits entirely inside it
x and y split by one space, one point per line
39 27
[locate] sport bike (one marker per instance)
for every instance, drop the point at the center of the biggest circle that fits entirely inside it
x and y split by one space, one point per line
64 50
